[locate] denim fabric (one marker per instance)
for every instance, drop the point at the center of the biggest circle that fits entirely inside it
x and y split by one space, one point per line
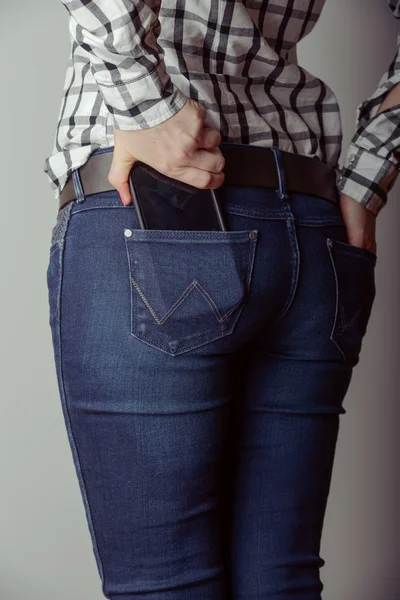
202 377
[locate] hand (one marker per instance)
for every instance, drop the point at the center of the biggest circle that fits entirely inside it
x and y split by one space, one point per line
360 223
183 147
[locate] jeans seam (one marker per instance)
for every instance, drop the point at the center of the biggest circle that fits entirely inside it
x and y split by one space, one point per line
251 213
100 207
296 270
63 395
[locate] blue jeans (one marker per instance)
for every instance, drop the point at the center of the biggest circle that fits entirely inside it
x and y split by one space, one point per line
201 376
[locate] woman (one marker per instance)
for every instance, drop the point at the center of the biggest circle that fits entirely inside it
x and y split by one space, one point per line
202 373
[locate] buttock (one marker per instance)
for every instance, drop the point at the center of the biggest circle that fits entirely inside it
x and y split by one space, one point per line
213 291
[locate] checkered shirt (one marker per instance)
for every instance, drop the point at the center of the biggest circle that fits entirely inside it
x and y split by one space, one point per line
134 63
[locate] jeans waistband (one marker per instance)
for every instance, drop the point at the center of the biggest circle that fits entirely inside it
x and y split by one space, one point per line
247 200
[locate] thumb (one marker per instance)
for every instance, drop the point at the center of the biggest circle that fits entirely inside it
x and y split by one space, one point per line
118 176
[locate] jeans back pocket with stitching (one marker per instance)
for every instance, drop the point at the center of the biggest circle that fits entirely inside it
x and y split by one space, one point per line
188 288
354 271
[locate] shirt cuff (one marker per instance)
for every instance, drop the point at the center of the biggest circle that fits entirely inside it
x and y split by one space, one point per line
367 178
142 102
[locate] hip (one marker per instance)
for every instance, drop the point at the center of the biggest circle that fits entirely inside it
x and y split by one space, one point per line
283 275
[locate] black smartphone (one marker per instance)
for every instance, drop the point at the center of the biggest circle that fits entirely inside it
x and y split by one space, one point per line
162 202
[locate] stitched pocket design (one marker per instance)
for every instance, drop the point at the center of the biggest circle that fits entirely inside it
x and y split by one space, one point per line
354 271
188 288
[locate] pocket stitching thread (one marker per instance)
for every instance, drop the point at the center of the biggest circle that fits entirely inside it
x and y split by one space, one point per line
178 302
353 320
339 310
156 344
328 243
194 285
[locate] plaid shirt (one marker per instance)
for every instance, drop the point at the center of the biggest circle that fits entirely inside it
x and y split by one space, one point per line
134 63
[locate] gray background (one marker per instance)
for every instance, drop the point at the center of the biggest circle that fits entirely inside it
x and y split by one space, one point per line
45 550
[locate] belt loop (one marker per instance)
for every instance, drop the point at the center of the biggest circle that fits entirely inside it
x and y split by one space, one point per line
76 179
280 169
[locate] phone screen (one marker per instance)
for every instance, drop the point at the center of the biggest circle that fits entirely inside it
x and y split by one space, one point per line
165 203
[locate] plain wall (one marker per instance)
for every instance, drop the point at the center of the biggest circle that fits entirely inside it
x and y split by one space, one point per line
45 549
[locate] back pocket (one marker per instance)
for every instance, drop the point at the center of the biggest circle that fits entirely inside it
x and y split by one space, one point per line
188 288
354 271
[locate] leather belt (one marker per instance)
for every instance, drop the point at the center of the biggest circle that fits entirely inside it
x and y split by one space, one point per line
244 165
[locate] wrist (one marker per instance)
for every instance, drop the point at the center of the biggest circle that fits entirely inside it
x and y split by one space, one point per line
360 223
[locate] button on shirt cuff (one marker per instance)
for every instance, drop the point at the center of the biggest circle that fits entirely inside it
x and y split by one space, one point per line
366 177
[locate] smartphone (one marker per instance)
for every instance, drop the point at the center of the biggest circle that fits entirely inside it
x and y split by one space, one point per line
162 202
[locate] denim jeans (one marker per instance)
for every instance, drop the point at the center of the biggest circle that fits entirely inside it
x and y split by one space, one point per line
202 376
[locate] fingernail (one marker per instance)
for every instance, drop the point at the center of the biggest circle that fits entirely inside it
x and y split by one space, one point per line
123 200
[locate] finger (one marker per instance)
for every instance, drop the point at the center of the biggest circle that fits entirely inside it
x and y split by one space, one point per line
209 137
119 176
207 160
198 177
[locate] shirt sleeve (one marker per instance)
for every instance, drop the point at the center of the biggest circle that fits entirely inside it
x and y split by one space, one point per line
372 161
119 37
